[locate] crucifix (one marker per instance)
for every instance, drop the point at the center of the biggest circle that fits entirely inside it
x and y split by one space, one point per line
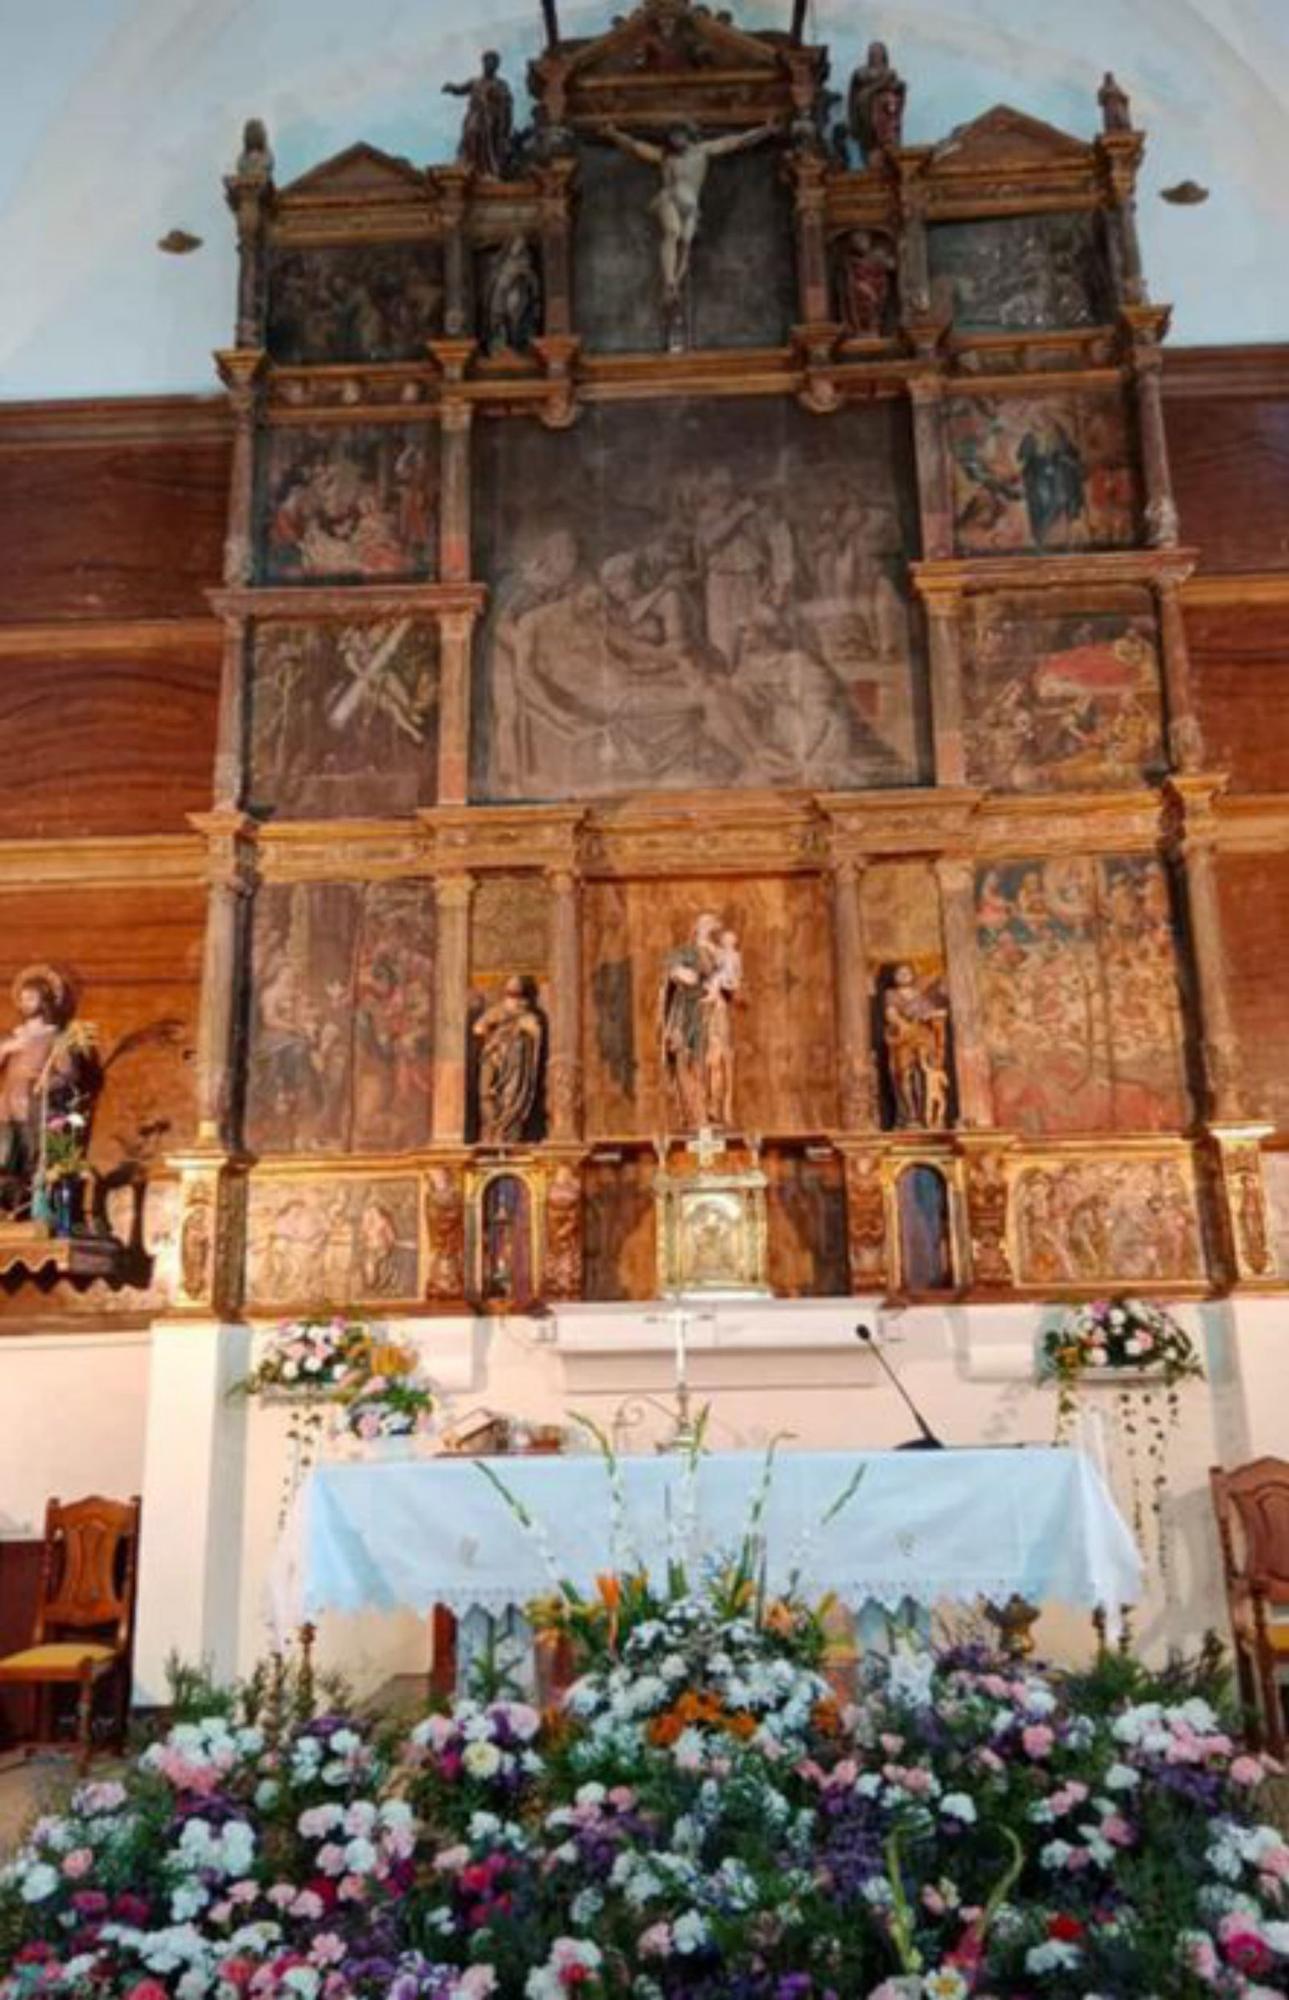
680 1319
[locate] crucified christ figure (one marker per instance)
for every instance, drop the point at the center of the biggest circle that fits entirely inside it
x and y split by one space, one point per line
683 158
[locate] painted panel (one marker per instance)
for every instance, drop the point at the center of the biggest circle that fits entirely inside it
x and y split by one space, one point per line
344 718
1080 998
1041 473
355 302
1061 697
1022 272
341 1018
331 1242
349 505
707 596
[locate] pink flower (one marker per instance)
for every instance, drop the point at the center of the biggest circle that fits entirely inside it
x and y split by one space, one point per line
1117 1830
655 1942
147 1989
1244 1771
327 1948
1244 1948
331 1858
78 1863
476 1983
1038 1739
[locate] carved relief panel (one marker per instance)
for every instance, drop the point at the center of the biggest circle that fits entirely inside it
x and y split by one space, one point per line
1082 1221
318 1241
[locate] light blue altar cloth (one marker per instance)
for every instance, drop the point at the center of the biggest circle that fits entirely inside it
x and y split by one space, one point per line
928 1526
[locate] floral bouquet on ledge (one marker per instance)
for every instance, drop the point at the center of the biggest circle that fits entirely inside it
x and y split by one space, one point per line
387 1407
316 1358
1124 1334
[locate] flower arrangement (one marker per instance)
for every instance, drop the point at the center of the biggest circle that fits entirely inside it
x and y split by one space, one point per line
1135 1340
962 1826
66 1135
387 1406
318 1358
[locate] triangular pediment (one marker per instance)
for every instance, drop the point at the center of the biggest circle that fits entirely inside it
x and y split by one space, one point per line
669 36
360 169
1005 135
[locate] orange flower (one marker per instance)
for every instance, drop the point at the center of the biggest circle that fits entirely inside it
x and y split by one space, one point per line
664 1729
780 1618
741 1725
610 1589
826 1717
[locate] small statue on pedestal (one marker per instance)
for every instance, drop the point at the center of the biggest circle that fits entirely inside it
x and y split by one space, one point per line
512 307
44 1094
865 267
512 1051
488 126
876 106
915 1029
1116 112
700 986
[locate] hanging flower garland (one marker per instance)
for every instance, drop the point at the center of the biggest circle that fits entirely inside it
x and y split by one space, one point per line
1130 1338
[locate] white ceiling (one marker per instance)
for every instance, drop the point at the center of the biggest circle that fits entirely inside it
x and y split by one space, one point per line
120 116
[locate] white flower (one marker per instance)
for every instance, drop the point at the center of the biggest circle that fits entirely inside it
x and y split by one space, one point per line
39 1882
1054 1956
689 1932
481 1760
957 1805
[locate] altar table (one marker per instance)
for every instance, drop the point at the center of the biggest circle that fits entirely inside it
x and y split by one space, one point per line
929 1526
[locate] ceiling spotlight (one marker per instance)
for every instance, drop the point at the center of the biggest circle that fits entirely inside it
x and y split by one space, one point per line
1186 194
178 243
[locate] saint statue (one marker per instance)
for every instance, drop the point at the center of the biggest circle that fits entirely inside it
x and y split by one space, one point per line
683 160
512 1047
488 125
700 984
35 1069
512 308
876 105
865 281
915 1029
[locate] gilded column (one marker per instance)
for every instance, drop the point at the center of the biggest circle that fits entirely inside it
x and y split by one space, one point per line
451 183
1144 328
935 491
454 492
451 989
956 877
856 1079
1120 154
1193 838
944 631
230 877
456 629
240 370
1185 739
230 728
564 1068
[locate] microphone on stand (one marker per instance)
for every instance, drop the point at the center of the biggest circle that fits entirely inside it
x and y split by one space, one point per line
928 1441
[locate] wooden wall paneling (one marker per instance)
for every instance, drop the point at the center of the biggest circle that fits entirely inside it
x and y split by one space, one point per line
115 741
19 1592
1240 672
1230 460
112 530
1254 893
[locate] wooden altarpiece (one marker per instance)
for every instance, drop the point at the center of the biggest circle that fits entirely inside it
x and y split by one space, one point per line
517 682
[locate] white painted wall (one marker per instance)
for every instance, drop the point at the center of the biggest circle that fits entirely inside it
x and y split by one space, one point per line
73 1410
121 116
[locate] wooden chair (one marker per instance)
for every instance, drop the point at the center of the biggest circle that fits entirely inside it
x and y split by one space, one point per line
1252 1508
84 1629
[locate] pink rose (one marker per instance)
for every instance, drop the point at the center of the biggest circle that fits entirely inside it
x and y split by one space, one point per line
1038 1739
655 1942
1244 1771
78 1863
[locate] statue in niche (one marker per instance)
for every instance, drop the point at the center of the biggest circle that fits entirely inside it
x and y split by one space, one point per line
507 1266
915 1031
488 126
42 1084
512 305
1116 112
865 265
683 160
876 106
512 1057
700 987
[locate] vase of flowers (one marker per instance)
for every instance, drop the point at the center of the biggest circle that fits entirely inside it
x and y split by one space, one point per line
63 1166
385 1414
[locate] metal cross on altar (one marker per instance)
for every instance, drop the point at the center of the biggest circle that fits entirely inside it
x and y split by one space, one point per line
707 1146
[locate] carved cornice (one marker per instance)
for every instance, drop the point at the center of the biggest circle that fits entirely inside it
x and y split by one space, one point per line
1068 823
912 823
1227 373
503 837
126 861
1252 823
959 575
346 851
347 600
705 833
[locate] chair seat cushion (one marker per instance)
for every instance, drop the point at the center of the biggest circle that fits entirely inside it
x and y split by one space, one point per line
60 1657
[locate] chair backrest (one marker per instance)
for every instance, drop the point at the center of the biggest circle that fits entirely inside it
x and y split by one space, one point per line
88 1569
1252 1505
